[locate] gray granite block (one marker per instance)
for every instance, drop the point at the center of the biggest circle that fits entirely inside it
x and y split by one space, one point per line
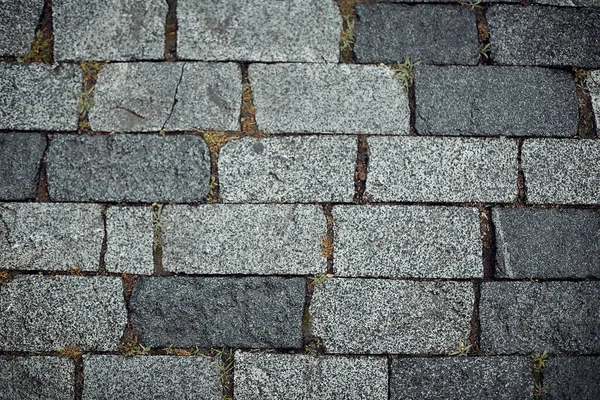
435 169
39 96
461 378
136 168
288 169
244 239
593 83
18 21
437 34
407 241
20 158
331 98
570 3
46 313
572 378
562 171
522 317
37 378
370 316
150 377
219 312
120 30
259 30
292 376
44 236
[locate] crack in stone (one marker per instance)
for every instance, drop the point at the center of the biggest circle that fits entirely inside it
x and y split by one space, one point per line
129 111
174 98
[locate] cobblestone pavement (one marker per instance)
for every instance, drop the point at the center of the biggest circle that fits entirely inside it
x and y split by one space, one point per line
299 199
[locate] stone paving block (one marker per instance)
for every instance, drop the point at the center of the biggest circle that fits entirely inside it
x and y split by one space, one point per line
407 241
47 313
490 101
562 171
39 96
259 30
136 168
18 21
291 376
37 378
230 312
593 83
522 317
120 30
438 34
130 240
45 236
143 97
244 239
434 169
20 158
340 98
547 36
547 243
301 169
572 378
370 316
572 3
461 378
150 377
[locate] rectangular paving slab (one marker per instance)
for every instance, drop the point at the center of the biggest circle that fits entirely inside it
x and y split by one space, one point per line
37 378
407 241
370 316
20 158
572 378
292 376
219 312
244 239
18 21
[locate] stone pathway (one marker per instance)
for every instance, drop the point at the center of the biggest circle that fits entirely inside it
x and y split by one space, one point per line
299 199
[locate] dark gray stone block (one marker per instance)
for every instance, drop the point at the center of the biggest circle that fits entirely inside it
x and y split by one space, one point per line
20 158
18 20
37 378
572 378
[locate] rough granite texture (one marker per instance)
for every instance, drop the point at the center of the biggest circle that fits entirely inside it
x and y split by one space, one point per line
572 3
264 376
370 316
593 84
39 96
150 378
573 378
442 169
331 98
437 34
143 97
522 317
44 236
259 30
461 378
219 312
547 243
507 101
20 157
407 241
562 171
46 313
18 21
244 239
36 378
135 168
288 169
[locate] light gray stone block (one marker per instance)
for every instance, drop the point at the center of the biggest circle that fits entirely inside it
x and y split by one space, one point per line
593 83
20 158
18 20
37 378
572 378
571 3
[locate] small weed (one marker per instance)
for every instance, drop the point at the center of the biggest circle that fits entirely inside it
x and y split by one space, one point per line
41 49
3 276
581 76
215 139
471 4
347 36
405 72
75 271
134 349
462 349
182 352
539 360
327 246
484 50
212 190
70 352
314 348
539 390
90 69
225 358
86 100
319 279
157 210
248 113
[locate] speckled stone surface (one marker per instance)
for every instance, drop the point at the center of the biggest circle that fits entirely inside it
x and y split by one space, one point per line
37 378
20 158
18 21
572 378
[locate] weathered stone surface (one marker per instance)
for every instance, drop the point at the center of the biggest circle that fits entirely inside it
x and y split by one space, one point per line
461 378
109 30
388 316
130 240
288 169
44 236
45 313
593 83
259 30
215 312
18 20
438 34
563 36
521 317
290 376
142 97
442 169
572 3
244 239
20 157
145 168
39 96
151 377
572 378
37 378
340 98
547 243
562 171
407 241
